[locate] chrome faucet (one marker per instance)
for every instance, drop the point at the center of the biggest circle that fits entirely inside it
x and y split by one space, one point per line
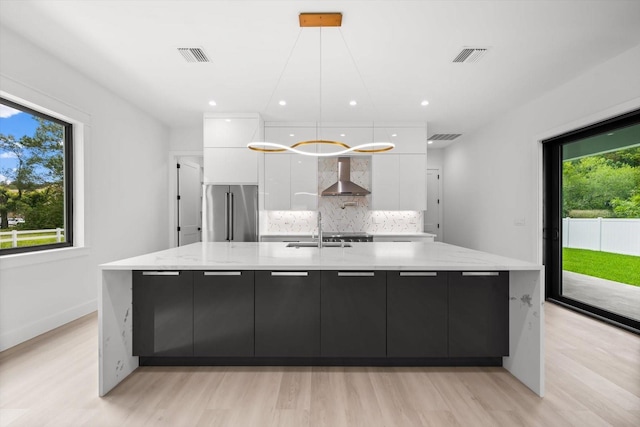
319 229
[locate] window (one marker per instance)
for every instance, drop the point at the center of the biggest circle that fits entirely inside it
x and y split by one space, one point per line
36 203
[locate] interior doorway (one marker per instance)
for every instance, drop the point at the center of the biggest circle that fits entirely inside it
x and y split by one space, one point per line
188 200
433 214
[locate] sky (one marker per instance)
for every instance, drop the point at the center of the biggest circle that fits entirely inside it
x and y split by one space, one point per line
16 123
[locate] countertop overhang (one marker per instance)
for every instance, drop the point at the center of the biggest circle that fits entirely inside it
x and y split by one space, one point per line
360 256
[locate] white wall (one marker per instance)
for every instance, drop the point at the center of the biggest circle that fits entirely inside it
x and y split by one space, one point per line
125 196
435 158
493 175
186 139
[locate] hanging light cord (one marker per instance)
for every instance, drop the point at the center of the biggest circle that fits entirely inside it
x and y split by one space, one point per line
319 122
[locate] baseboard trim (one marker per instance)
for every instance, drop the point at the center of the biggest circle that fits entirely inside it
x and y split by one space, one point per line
18 336
320 361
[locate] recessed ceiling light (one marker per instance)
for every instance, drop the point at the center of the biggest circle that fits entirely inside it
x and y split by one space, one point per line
282 102
429 142
292 134
212 103
424 103
394 135
353 103
342 134
227 120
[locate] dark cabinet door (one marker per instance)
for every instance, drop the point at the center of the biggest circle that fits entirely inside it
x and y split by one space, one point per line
417 311
478 314
223 314
162 313
287 313
354 314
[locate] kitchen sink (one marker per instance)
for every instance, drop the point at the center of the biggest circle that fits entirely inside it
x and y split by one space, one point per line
315 245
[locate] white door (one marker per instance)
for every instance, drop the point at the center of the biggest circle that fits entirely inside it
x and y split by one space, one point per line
432 221
189 202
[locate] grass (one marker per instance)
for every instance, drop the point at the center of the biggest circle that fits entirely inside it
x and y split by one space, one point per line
31 242
605 265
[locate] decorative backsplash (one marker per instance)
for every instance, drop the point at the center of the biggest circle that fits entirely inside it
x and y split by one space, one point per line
344 213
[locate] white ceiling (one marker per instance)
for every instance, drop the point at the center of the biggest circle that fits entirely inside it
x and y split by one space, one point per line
403 51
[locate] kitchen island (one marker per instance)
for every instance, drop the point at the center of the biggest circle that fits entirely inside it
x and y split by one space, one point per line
389 261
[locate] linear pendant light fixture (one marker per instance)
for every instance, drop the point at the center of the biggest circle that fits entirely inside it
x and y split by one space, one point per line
320 20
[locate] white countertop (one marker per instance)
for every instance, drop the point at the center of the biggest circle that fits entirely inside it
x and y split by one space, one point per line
275 255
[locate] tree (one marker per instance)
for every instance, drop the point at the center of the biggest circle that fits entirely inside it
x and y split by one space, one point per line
35 187
595 182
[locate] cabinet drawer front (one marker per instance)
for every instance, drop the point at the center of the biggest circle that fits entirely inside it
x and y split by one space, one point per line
417 313
353 314
162 314
478 314
287 314
223 317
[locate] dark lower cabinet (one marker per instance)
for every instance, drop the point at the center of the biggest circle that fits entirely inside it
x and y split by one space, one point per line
417 314
162 313
354 314
223 314
287 310
478 314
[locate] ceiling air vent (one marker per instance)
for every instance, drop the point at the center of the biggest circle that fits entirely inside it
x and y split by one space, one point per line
444 136
193 54
470 54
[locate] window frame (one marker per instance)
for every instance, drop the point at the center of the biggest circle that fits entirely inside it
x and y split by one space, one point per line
552 208
68 155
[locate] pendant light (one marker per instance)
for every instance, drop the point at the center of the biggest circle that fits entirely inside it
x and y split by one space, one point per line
319 20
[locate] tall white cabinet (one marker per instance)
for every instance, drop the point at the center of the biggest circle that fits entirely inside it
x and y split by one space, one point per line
227 160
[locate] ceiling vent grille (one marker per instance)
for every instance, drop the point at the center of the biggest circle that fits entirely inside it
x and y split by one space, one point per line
193 54
444 136
470 54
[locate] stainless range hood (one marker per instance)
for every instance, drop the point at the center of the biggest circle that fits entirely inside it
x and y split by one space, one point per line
344 186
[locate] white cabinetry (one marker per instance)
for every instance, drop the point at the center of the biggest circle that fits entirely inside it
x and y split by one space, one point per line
227 160
399 182
290 182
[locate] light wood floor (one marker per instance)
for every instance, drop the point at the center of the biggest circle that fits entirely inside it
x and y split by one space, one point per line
593 379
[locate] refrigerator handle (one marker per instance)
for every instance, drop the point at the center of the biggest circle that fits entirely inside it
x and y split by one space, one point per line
232 215
226 215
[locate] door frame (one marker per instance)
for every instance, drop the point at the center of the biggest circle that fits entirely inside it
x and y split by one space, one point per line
174 156
551 148
438 170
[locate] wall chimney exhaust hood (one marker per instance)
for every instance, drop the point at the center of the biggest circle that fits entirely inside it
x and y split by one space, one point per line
344 186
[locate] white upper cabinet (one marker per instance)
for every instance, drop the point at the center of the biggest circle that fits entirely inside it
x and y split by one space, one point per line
385 182
304 183
399 182
277 182
290 180
227 160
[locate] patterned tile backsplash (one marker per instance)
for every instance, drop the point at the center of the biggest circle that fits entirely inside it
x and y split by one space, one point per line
344 213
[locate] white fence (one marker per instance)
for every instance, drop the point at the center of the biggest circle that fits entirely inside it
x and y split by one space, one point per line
15 236
616 235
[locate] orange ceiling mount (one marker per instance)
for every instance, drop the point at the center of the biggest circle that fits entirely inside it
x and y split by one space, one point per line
321 19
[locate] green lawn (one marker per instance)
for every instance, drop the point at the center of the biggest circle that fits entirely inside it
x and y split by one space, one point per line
34 242
616 267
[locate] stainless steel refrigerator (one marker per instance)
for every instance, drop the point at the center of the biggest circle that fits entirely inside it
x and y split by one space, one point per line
230 213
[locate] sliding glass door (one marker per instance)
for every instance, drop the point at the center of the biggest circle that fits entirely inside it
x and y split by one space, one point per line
592 219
